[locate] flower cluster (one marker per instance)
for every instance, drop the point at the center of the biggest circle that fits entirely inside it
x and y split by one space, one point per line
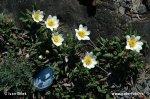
82 33
51 23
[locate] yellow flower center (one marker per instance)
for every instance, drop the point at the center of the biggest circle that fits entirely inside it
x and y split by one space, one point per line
82 34
56 39
88 60
51 22
36 16
132 42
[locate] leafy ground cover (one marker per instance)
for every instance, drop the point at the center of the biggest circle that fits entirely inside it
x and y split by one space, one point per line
82 68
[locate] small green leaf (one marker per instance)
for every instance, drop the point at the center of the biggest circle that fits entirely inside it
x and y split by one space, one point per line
98 54
108 55
103 40
97 49
108 96
121 54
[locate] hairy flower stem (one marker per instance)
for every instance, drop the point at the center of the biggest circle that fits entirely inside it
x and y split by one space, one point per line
93 44
103 70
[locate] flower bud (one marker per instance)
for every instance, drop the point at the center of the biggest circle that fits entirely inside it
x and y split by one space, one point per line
27 56
40 57
66 59
47 51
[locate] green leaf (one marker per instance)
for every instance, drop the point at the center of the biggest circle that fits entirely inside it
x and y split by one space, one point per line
117 39
97 49
13 41
108 96
99 89
103 40
121 53
108 55
98 54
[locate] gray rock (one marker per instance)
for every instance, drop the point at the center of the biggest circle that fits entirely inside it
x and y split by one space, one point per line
136 4
100 16
142 9
146 90
149 83
139 87
143 27
147 2
97 17
122 10
126 97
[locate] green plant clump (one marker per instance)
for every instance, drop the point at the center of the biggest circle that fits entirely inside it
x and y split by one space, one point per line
83 68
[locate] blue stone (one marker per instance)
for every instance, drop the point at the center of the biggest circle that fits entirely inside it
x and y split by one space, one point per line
44 78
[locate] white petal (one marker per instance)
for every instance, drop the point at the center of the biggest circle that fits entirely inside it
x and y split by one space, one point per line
56 26
33 15
88 32
51 28
58 44
132 48
137 50
38 11
86 38
87 54
127 46
80 26
140 43
137 38
60 35
94 62
49 17
90 66
91 53
76 30
55 17
139 47
85 28
33 11
56 20
62 39
79 38
41 12
36 20
128 37
41 16
133 36
84 64
82 60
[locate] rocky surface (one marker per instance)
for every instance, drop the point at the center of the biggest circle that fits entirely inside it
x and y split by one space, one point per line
143 27
96 14
103 17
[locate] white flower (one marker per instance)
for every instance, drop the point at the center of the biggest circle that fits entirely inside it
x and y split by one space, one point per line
66 59
89 60
47 51
57 39
134 43
52 22
37 16
82 33
40 57
27 56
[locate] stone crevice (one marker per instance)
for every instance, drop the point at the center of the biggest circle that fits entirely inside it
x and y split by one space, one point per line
91 9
